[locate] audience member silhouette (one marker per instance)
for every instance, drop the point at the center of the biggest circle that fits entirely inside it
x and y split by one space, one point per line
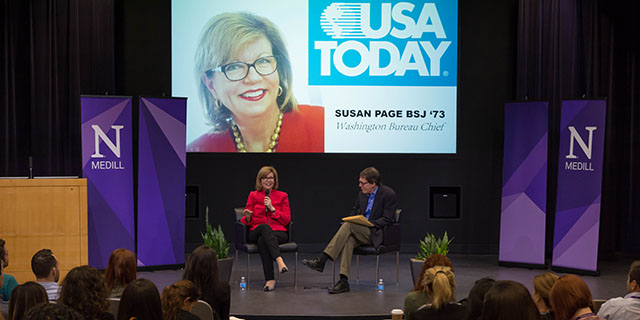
178 299
7 281
83 290
120 271
475 299
440 287
53 311
202 269
508 300
542 285
45 267
24 297
141 301
627 307
571 298
418 296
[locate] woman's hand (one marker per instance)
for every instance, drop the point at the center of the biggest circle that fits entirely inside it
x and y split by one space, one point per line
247 214
268 205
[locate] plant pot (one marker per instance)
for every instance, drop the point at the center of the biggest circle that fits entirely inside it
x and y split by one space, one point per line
416 266
224 268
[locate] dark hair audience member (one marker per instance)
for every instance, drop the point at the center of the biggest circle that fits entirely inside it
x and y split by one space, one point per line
178 299
201 268
476 297
53 311
542 285
7 281
441 287
24 297
83 290
508 300
45 266
571 298
120 271
140 300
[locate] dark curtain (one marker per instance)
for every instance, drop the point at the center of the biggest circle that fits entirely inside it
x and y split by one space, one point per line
52 52
571 49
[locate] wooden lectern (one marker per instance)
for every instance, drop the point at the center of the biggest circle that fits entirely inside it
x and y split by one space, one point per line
43 213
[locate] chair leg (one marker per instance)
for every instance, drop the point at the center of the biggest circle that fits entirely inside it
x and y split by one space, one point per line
377 267
357 268
295 272
397 267
248 257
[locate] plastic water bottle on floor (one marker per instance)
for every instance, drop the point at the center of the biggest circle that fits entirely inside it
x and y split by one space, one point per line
243 283
380 285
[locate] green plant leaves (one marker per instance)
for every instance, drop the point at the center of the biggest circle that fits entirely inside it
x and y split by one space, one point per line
432 245
214 238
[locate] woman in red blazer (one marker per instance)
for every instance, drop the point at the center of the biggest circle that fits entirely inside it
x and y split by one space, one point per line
267 215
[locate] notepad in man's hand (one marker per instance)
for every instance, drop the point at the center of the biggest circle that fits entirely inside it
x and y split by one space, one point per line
358 219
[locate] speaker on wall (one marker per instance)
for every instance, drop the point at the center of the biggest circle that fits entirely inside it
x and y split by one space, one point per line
444 202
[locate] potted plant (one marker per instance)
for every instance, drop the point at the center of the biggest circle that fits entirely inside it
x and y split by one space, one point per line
430 245
214 238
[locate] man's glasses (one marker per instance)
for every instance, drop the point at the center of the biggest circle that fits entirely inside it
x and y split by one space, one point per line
237 71
360 183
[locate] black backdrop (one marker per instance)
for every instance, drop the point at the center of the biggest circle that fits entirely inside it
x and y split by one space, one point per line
55 50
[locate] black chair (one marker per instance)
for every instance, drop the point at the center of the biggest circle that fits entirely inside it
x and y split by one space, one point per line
251 248
391 243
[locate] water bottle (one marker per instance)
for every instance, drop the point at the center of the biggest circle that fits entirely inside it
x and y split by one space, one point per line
380 285
243 283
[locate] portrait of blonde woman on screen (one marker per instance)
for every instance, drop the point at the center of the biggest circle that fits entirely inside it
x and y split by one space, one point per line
244 77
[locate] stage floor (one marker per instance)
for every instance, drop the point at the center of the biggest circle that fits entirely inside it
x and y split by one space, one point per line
311 300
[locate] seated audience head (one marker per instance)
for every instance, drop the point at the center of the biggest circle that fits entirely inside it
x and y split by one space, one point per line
476 297
83 290
121 269
141 301
440 286
53 311
633 278
45 266
24 297
430 262
202 268
542 285
568 295
4 254
182 295
507 300
263 173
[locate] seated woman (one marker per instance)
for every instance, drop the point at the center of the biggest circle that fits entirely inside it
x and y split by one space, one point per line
121 270
141 301
508 300
267 215
542 285
441 286
201 268
83 290
418 296
178 299
571 299
475 301
24 297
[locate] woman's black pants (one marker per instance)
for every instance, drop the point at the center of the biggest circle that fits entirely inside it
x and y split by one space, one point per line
267 241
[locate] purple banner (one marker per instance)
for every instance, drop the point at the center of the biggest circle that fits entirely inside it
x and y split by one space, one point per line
524 183
161 181
107 163
575 239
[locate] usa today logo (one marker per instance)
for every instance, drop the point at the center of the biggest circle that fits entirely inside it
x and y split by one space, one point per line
401 43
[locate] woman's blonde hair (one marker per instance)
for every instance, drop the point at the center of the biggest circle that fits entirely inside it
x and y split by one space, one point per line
542 285
440 285
221 39
263 173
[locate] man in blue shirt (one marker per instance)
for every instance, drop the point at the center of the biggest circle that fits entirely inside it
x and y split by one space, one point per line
377 203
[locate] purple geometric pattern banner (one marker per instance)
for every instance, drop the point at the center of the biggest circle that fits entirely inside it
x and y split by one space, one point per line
575 239
161 181
107 163
524 183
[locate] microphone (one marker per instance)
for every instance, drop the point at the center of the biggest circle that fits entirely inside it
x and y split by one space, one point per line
30 167
266 194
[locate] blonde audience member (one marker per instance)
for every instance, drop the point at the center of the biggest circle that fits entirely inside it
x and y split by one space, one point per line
178 299
542 285
440 288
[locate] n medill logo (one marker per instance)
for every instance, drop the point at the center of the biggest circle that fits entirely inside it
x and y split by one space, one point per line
586 149
353 20
99 135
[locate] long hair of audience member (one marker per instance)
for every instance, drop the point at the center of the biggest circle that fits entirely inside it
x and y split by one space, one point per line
508 300
121 270
175 296
25 297
430 262
476 297
83 290
53 311
568 295
441 286
140 299
542 285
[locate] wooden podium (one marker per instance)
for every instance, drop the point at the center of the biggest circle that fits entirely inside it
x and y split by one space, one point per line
43 213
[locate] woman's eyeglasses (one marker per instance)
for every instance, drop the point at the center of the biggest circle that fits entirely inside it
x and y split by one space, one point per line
237 71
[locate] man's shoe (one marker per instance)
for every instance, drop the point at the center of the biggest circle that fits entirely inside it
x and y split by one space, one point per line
314 264
340 287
